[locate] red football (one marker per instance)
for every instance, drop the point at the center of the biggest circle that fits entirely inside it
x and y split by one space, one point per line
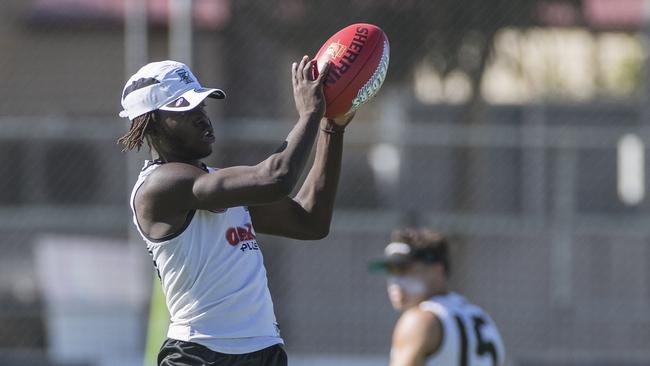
359 55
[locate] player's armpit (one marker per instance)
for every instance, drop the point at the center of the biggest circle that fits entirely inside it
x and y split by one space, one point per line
417 334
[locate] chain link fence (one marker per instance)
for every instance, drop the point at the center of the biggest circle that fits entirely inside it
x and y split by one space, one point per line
509 127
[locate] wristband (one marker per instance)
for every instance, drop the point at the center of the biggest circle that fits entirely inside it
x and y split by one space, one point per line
332 128
332 131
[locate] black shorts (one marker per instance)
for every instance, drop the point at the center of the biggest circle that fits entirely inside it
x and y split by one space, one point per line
180 353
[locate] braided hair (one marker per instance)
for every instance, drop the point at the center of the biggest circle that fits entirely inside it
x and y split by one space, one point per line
140 127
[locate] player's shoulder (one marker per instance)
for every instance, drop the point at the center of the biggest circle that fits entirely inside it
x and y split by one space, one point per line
470 307
455 301
472 310
169 179
177 169
175 173
416 317
419 326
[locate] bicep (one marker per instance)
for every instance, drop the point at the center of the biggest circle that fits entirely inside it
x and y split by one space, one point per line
237 186
184 187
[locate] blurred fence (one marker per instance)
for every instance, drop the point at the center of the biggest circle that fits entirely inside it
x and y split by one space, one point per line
540 236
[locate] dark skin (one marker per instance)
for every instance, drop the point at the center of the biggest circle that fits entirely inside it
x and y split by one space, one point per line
180 186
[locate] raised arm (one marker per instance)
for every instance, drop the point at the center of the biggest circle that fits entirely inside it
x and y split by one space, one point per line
309 214
183 187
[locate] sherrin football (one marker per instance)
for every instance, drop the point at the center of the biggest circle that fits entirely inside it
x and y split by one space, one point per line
359 54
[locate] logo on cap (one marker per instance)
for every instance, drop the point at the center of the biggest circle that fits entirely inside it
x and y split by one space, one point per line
178 103
184 75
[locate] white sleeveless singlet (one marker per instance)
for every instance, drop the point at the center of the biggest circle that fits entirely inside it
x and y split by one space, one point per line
213 277
470 336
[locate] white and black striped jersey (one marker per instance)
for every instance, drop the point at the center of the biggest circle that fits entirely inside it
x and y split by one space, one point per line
470 336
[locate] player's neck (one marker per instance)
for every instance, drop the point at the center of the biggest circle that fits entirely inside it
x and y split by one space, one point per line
438 290
173 158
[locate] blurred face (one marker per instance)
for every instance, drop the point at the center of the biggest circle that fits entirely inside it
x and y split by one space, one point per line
410 284
186 135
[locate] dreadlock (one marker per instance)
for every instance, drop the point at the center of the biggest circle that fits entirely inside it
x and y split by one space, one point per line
140 126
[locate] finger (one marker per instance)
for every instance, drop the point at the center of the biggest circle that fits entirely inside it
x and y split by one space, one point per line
349 117
323 72
306 69
301 66
294 73
345 119
313 70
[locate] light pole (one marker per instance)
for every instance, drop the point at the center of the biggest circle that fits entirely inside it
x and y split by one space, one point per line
180 31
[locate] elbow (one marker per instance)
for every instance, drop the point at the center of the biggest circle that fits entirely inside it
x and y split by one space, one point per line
311 235
282 178
283 184
319 232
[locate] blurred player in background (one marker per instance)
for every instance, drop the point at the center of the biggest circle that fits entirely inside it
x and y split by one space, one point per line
200 224
437 327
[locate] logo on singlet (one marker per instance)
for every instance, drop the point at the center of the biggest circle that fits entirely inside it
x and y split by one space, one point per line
242 235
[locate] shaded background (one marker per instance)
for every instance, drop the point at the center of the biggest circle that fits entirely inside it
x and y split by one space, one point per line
517 127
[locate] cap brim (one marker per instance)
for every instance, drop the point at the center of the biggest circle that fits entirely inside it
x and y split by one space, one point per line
192 98
377 266
382 265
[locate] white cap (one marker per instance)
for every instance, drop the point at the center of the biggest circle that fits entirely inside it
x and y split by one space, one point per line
166 85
